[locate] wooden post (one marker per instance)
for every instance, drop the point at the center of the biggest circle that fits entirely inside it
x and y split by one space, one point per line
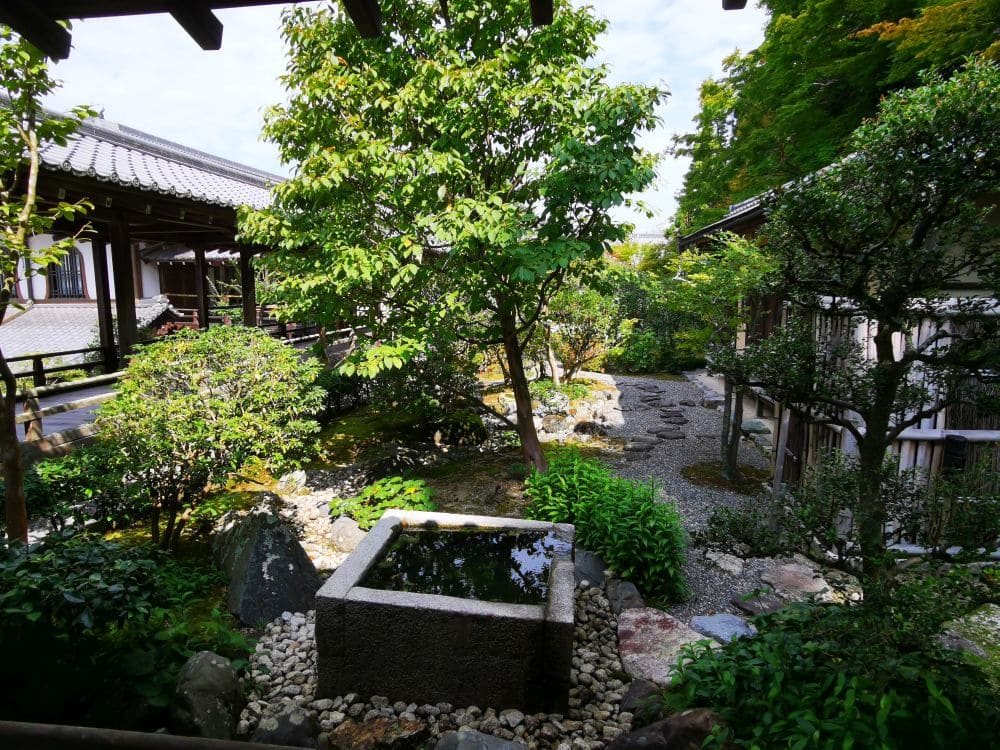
37 372
780 451
248 287
121 262
200 290
105 323
33 428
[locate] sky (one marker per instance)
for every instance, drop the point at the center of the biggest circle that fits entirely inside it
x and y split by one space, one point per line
147 73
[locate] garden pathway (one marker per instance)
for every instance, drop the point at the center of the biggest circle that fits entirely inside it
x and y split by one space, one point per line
650 404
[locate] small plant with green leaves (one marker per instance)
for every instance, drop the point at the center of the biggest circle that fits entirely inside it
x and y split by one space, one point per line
637 534
390 493
831 676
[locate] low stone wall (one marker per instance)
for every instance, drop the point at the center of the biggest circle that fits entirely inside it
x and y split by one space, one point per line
428 648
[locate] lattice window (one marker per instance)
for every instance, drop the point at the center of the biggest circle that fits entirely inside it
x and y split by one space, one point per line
66 279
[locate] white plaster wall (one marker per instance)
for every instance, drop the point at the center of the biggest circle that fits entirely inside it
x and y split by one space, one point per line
150 279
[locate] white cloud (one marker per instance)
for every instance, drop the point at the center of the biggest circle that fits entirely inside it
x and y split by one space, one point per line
147 73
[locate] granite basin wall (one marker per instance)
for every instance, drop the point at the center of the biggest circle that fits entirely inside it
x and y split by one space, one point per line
426 648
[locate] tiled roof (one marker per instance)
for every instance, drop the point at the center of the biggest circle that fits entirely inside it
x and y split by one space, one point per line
169 253
116 153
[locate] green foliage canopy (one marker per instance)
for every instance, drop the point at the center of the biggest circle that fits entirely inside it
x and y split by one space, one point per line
195 406
448 174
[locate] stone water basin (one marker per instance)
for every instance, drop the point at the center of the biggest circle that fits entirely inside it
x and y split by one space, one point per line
442 607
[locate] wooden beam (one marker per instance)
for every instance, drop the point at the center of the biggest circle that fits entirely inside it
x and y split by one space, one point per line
200 23
367 16
541 12
41 30
734 4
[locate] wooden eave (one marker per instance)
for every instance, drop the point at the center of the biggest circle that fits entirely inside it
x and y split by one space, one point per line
151 217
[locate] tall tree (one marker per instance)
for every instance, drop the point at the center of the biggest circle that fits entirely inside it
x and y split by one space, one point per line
24 127
720 288
448 174
892 260
789 107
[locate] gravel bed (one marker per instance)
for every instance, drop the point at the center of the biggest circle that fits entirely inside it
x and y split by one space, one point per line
712 588
282 681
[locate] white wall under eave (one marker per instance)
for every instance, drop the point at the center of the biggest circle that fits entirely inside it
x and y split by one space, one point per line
150 279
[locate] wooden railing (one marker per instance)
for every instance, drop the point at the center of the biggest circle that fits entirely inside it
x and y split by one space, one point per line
39 371
32 414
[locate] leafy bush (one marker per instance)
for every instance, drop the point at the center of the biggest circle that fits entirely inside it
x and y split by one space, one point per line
837 677
100 629
619 519
747 531
197 405
341 392
544 389
88 481
389 493
641 351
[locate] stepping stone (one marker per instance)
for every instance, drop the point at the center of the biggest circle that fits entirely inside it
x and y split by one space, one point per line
656 430
672 412
687 402
760 604
636 447
678 435
803 579
723 627
640 693
726 563
650 643
711 400
675 420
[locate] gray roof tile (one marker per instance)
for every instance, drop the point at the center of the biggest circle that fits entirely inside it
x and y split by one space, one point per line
116 153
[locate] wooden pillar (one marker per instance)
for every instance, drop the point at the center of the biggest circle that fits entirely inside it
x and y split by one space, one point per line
121 262
200 288
105 323
248 287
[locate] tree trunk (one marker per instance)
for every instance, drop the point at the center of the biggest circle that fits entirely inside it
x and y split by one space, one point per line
871 456
531 448
553 362
727 411
731 458
15 509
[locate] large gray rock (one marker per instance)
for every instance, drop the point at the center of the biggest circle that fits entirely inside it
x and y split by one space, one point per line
346 534
623 595
294 727
467 739
723 627
588 566
754 427
686 731
269 572
207 701
641 698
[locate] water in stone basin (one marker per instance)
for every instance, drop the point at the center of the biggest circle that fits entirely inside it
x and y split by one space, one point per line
490 565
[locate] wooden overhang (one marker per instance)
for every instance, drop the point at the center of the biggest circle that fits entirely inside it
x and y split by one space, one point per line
147 189
39 21
743 219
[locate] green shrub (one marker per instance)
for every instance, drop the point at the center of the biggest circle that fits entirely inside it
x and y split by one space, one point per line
837 677
641 538
194 407
96 631
87 481
341 392
747 531
641 351
393 493
544 389
460 427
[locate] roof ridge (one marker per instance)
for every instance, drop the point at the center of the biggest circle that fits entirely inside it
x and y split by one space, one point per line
129 137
